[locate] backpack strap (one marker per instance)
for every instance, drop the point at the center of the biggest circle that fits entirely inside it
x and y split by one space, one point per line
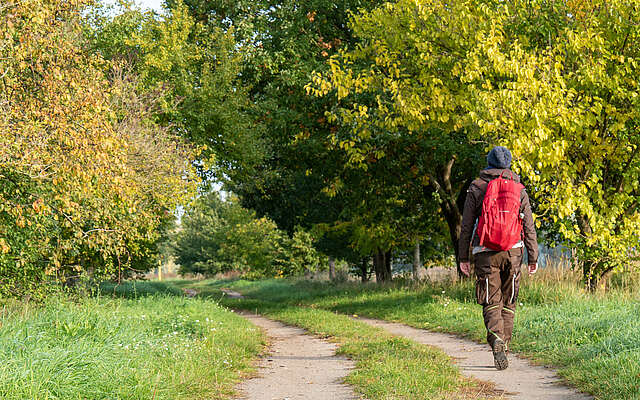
505 170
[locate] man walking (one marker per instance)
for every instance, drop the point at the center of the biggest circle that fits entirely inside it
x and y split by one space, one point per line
497 207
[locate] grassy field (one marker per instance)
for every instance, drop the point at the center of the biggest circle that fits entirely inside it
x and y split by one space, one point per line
147 341
387 367
160 346
594 339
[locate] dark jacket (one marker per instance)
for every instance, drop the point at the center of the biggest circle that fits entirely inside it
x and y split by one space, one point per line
473 209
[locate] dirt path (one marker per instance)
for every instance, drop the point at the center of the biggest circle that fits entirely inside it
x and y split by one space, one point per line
520 381
299 366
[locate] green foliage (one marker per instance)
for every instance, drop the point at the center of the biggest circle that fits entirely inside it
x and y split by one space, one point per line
301 254
405 98
151 347
569 109
219 236
400 117
410 182
283 42
88 178
196 66
554 82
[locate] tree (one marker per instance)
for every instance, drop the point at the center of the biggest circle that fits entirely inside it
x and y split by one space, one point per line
283 42
195 66
203 229
302 181
158 164
404 105
218 236
77 198
568 107
553 81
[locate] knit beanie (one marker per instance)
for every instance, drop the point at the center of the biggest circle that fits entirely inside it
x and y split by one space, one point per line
499 157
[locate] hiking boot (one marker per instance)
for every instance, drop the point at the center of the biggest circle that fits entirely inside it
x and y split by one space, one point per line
499 355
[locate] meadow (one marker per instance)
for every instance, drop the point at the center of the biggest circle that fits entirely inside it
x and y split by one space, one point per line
143 341
593 339
146 340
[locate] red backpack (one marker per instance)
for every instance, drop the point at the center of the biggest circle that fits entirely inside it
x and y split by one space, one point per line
500 225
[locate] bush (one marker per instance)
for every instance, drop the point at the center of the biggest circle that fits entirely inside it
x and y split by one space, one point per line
219 236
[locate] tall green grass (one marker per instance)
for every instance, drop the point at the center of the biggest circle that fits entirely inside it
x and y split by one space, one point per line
160 346
594 339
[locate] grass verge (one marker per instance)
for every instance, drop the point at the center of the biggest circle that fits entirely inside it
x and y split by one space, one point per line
160 346
593 339
387 367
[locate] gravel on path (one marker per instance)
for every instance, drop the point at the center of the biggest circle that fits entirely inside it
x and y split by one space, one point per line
520 381
298 367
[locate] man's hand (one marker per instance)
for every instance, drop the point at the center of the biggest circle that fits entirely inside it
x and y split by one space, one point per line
533 268
465 267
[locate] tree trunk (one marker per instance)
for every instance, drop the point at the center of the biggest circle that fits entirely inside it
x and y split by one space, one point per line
332 268
387 265
364 269
454 222
589 267
594 273
590 279
377 262
382 266
418 269
452 205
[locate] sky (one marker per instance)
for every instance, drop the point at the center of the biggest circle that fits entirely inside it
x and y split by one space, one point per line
145 4
152 4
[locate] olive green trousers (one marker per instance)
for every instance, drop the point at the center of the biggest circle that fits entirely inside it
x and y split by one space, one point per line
497 286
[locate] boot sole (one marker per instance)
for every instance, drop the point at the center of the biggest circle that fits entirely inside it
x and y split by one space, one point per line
500 357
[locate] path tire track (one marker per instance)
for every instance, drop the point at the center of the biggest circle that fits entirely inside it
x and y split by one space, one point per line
521 381
298 367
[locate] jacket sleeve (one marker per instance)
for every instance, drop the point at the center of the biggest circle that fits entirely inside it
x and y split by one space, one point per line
529 229
468 223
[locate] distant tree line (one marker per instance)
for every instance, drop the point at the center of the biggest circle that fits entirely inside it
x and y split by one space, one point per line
219 236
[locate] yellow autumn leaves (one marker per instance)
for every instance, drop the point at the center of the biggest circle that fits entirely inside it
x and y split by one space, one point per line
556 83
90 173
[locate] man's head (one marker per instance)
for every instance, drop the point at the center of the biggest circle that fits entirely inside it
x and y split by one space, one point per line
499 157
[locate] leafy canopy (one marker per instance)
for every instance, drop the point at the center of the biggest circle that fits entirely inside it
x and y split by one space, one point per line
88 179
554 82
